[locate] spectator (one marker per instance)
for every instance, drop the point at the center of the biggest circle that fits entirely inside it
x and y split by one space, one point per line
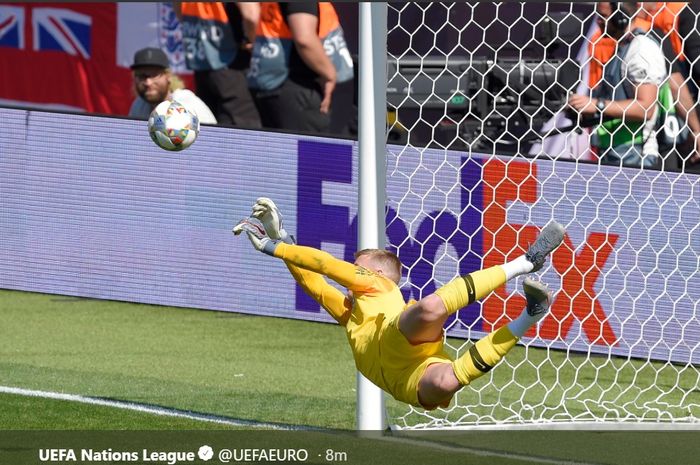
602 48
298 57
690 34
660 18
664 16
217 38
625 100
659 15
154 83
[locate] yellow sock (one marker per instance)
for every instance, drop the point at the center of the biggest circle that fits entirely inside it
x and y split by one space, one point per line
464 290
484 355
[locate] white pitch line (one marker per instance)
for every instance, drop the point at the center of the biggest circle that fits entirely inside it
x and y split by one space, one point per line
152 409
169 412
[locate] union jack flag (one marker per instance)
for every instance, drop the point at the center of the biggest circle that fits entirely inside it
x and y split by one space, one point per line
62 30
12 26
85 47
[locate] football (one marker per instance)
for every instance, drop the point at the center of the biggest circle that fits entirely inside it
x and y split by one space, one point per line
172 126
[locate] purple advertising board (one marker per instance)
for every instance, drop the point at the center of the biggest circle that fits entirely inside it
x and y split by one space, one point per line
89 206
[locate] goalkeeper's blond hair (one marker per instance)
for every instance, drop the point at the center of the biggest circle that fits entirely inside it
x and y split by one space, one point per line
387 261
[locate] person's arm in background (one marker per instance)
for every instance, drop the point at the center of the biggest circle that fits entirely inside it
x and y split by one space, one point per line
250 16
646 70
640 108
304 29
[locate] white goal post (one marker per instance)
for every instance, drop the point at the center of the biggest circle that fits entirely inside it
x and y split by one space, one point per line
479 157
372 172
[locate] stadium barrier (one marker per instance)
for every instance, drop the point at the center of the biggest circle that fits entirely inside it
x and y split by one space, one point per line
91 207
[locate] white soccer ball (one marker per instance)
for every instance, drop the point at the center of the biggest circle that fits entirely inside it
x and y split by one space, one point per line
172 126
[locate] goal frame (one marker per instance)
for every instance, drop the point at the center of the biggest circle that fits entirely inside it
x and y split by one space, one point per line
372 143
372 172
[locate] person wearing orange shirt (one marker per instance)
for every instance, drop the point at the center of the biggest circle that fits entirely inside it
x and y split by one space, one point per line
298 57
625 99
660 15
661 19
664 16
216 39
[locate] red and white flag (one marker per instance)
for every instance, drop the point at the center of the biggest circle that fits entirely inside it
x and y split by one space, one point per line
76 56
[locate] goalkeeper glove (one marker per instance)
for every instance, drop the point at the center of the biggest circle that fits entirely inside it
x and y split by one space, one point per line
271 218
256 234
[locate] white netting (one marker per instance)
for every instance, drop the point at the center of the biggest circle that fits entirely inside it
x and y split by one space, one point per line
470 182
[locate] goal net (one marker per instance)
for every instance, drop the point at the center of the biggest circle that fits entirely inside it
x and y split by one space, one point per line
480 157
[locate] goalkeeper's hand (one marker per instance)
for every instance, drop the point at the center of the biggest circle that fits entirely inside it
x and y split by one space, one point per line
256 234
271 218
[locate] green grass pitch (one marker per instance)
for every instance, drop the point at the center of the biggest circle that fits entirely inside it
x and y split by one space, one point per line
249 368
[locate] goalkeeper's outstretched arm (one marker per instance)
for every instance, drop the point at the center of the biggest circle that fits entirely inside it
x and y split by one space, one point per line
346 274
330 298
313 284
351 276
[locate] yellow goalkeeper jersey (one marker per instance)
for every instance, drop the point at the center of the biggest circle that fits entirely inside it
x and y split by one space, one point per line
381 353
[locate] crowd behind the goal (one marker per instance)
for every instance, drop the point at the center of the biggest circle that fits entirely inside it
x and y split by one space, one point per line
276 66
271 64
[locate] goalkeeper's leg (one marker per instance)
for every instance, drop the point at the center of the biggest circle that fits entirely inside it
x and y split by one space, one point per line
423 322
442 380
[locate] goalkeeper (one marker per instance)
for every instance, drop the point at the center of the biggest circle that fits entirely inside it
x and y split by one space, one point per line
397 345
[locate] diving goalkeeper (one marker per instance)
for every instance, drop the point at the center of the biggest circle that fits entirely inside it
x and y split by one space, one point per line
397 345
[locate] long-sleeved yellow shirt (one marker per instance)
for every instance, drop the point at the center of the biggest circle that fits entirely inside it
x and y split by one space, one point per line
376 299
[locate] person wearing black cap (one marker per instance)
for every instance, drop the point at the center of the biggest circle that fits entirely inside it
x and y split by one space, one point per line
154 83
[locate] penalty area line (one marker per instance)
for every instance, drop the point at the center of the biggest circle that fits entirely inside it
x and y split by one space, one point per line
153 409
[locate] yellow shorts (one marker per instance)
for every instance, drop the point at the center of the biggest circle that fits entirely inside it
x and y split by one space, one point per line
403 363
